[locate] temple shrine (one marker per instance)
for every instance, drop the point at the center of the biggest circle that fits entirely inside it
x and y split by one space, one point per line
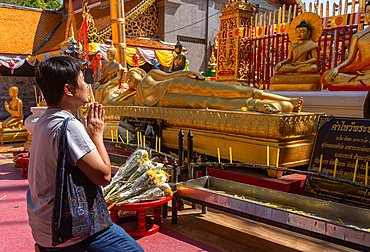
255 108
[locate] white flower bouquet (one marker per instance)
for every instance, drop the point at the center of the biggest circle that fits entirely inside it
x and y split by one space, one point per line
140 179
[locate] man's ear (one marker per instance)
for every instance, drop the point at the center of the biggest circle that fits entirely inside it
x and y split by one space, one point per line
68 89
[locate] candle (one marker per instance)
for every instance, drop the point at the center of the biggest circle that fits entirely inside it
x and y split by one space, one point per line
218 155
335 167
117 135
231 155
138 138
111 133
320 164
159 144
121 139
277 157
268 156
144 141
366 173
127 136
34 86
354 174
141 139
156 143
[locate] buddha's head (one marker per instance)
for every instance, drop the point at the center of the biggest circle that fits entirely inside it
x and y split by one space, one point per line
178 47
367 12
13 92
134 76
111 53
303 31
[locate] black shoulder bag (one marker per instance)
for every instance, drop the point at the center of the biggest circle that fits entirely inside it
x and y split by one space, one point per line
79 205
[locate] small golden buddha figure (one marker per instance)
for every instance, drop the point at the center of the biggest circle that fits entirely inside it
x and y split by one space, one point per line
302 59
186 89
110 84
355 70
179 60
15 108
12 128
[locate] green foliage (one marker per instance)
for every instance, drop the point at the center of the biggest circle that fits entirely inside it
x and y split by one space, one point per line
40 4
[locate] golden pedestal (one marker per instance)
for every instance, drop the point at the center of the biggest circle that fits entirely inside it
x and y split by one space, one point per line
295 82
13 134
27 145
247 133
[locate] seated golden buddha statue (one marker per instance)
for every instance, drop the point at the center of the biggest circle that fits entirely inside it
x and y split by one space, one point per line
179 60
355 70
302 59
110 84
12 128
186 89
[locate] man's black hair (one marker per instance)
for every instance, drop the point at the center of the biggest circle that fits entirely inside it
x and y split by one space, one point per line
53 73
367 4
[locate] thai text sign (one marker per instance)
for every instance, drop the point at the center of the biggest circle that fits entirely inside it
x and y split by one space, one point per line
342 151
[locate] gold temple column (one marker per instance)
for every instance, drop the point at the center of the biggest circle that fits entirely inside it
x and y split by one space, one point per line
117 16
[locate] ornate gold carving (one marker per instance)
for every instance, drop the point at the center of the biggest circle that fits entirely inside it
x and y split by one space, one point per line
92 33
253 124
226 59
146 25
245 53
227 24
231 63
143 16
237 5
323 120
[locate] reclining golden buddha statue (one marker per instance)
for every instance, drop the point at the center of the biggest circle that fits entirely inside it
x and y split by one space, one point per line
355 70
187 89
302 56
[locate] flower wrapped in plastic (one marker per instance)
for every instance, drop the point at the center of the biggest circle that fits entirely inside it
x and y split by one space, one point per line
139 157
149 165
121 188
150 179
150 194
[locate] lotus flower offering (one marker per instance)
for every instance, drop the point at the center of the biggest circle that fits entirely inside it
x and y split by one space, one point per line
139 179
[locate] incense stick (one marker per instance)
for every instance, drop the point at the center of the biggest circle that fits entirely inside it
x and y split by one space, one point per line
91 94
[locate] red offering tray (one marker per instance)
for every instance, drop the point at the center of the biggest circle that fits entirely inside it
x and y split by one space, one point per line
25 162
146 224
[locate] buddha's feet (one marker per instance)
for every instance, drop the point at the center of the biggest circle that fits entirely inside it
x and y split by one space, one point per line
272 108
297 104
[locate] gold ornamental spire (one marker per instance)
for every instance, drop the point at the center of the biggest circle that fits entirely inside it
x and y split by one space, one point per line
71 22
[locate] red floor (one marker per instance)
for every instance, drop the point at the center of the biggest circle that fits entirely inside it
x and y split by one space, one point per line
16 233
